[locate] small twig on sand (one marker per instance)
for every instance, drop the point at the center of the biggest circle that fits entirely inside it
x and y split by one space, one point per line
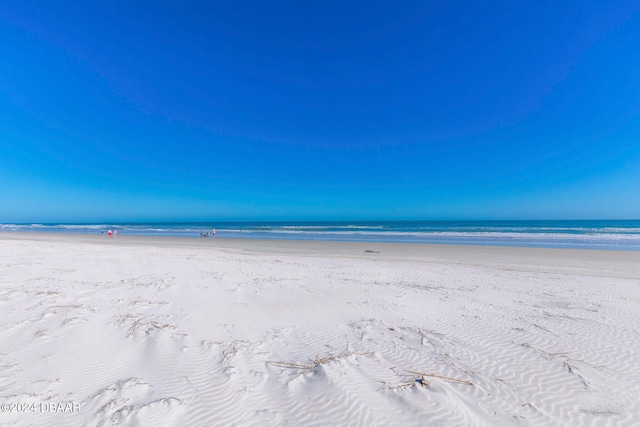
315 362
418 380
291 365
558 353
564 355
422 374
572 369
369 251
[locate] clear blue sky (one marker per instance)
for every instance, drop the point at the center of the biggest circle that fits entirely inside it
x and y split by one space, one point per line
303 110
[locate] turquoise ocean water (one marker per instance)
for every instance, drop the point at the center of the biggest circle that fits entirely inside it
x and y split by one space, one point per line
592 234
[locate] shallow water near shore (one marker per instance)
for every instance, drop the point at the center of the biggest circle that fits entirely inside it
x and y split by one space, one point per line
587 234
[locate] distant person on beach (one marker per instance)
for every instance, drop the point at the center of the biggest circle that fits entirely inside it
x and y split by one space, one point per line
109 233
213 233
115 233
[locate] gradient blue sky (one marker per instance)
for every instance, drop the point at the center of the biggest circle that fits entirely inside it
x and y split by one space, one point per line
319 110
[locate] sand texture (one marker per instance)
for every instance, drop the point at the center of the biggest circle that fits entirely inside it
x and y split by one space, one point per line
206 332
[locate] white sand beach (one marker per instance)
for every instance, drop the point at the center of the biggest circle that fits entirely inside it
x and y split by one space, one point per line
154 331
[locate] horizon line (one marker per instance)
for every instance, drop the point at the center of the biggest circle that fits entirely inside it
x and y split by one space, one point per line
101 222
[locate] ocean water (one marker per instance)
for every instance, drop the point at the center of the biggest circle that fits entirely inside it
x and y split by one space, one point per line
592 234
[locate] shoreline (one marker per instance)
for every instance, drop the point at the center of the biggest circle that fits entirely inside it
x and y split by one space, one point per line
463 253
246 242
619 235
